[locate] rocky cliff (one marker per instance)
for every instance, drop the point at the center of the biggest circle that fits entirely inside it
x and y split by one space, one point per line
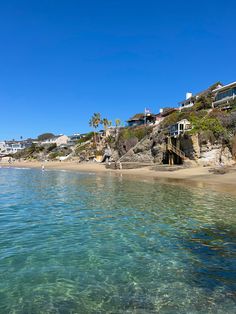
152 149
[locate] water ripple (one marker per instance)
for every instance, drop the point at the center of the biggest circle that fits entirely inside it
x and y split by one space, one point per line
81 243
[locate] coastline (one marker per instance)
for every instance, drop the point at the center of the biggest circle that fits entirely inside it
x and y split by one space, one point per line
198 176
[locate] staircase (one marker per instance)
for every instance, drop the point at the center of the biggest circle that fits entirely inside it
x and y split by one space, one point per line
173 149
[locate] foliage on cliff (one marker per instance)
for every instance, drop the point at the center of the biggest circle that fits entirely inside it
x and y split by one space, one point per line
45 136
129 137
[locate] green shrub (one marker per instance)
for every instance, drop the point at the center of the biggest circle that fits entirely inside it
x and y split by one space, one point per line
207 124
207 136
81 148
86 138
138 132
45 136
203 102
54 155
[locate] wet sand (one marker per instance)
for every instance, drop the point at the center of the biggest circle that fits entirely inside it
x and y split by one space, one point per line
198 176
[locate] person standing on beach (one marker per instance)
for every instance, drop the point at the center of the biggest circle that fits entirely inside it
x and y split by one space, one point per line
107 154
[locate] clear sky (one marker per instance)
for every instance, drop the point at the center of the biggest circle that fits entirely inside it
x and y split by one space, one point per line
63 60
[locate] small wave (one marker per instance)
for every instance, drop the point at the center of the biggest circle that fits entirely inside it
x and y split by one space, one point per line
20 168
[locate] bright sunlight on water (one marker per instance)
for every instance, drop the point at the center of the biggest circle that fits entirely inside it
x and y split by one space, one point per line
84 243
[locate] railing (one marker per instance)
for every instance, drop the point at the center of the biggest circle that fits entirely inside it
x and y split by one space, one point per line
223 100
175 150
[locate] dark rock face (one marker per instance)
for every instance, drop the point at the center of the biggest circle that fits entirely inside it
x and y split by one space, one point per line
124 146
141 152
188 146
143 146
158 152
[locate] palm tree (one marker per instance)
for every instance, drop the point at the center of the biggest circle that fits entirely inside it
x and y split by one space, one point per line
105 123
94 122
117 122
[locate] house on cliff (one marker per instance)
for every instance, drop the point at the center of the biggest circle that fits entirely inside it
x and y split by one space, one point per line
58 140
192 99
142 119
180 127
224 95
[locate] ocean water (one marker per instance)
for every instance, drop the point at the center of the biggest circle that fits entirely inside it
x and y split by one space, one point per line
84 243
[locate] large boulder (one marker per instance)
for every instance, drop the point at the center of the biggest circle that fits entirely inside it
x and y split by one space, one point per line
215 155
143 146
189 144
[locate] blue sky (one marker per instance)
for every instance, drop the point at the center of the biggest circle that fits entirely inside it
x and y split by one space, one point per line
61 61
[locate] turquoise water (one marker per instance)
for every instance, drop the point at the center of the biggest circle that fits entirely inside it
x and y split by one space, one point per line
83 243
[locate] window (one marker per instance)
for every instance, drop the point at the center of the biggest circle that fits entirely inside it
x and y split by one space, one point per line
222 95
181 127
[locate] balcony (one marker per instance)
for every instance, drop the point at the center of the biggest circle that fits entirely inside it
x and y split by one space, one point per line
223 101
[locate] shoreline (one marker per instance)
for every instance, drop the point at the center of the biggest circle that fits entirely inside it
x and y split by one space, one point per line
198 176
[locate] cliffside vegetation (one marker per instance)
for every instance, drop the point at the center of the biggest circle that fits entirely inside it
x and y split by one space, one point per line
209 125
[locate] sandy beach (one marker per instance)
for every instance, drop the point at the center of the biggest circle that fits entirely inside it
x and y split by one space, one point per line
198 176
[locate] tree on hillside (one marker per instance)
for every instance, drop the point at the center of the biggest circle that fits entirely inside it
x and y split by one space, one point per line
203 102
45 136
94 122
207 123
215 85
117 122
105 123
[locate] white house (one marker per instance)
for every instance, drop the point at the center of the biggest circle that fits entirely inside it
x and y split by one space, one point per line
224 94
188 102
11 147
2 146
180 127
191 99
58 140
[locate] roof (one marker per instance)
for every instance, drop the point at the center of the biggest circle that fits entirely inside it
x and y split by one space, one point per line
141 116
204 92
137 117
167 111
183 121
224 87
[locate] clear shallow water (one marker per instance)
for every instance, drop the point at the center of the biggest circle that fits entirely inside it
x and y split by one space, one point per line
81 243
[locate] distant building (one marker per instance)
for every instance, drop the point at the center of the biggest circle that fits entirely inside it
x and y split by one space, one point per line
142 119
58 140
11 147
2 146
180 127
73 139
158 118
224 95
